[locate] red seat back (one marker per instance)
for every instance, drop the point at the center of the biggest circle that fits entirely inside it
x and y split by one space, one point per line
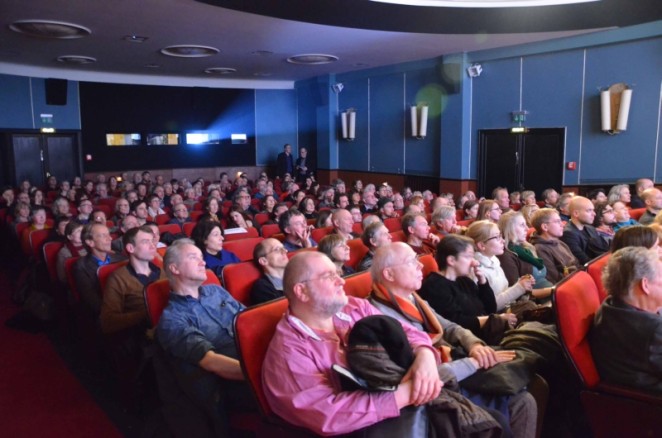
50 250
188 228
594 269
170 228
195 215
393 224
250 232
156 299
37 238
269 230
261 218
357 250
398 236
358 285
636 213
318 233
105 208
254 328
576 301
103 272
357 228
162 219
243 248
429 264
238 279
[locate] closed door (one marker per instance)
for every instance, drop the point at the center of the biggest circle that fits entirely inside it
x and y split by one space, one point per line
531 161
28 159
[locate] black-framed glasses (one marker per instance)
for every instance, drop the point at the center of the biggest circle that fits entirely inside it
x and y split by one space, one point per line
498 237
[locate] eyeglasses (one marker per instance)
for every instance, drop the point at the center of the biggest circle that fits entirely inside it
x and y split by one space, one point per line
411 262
328 277
275 249
498 237
496 209
557 221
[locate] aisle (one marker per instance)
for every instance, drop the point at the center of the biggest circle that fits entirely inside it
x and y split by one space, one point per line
38 394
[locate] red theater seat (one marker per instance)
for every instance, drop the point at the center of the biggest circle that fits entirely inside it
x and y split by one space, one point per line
594 269
243 248
238 279
358 285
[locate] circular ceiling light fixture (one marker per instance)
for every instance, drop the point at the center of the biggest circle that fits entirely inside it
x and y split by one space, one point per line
483 3
262 53
50 29
262 74
189 51
312 59
76 59
220 71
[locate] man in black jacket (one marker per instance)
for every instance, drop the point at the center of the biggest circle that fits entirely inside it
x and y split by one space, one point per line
285 162
580 236
271 258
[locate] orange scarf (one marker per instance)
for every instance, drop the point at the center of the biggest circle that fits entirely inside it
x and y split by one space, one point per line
419 311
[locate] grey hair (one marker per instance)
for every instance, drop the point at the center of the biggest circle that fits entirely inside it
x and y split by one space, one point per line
383 258
626 267
173 255
615 192
443 212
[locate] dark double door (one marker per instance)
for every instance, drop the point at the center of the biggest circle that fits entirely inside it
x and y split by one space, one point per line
36 156
531 160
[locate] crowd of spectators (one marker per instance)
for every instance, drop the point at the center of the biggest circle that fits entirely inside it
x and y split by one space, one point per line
493 257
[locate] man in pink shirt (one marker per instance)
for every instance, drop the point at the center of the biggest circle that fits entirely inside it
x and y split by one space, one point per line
299 383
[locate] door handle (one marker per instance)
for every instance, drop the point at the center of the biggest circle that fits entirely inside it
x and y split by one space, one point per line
516 158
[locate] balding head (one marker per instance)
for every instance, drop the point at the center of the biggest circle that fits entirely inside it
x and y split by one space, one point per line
643 184
396 267
314 289
342 220
582 211
653 199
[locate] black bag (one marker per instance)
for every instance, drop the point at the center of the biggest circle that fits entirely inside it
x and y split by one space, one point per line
507 378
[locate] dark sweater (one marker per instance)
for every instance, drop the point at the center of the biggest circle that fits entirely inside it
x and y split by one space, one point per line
461 301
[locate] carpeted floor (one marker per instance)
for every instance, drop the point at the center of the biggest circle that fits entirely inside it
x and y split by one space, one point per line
39 396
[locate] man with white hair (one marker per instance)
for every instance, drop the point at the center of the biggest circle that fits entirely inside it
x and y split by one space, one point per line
626 337
343 224
299 383
396 275
196 333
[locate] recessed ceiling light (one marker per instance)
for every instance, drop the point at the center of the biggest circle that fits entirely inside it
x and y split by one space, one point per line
262 74
135 38
50 29
152 66
220 71
189 51
262 53
312 59
483 3
76 59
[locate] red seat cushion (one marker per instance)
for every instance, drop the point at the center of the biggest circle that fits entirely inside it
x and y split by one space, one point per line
594 269
238 279
429 264
243 248
357 250
358 285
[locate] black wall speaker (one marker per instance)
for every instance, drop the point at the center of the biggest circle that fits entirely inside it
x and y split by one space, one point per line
56 92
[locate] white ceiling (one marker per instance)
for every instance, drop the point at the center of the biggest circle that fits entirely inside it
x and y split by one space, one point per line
236 34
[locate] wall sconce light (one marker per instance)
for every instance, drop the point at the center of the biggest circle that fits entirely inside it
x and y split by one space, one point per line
348 123
474 70
615 106
419 120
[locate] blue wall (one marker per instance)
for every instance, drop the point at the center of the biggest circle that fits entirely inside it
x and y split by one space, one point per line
23 100
275 123
381 99
561 89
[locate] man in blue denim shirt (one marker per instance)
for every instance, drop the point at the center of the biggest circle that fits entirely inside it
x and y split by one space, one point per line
196 332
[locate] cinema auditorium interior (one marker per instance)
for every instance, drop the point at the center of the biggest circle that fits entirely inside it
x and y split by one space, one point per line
295 218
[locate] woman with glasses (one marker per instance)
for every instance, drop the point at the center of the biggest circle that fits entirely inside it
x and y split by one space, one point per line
604 221
521 257
335 247
488 245
453 293
489 210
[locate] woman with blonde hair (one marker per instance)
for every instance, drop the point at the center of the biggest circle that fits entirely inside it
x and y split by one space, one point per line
520 257
488 244
527 211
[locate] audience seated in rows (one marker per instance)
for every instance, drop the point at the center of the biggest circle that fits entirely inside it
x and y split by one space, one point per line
556 255
580 236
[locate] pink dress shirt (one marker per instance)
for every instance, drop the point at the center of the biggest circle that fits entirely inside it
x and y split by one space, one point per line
301 387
